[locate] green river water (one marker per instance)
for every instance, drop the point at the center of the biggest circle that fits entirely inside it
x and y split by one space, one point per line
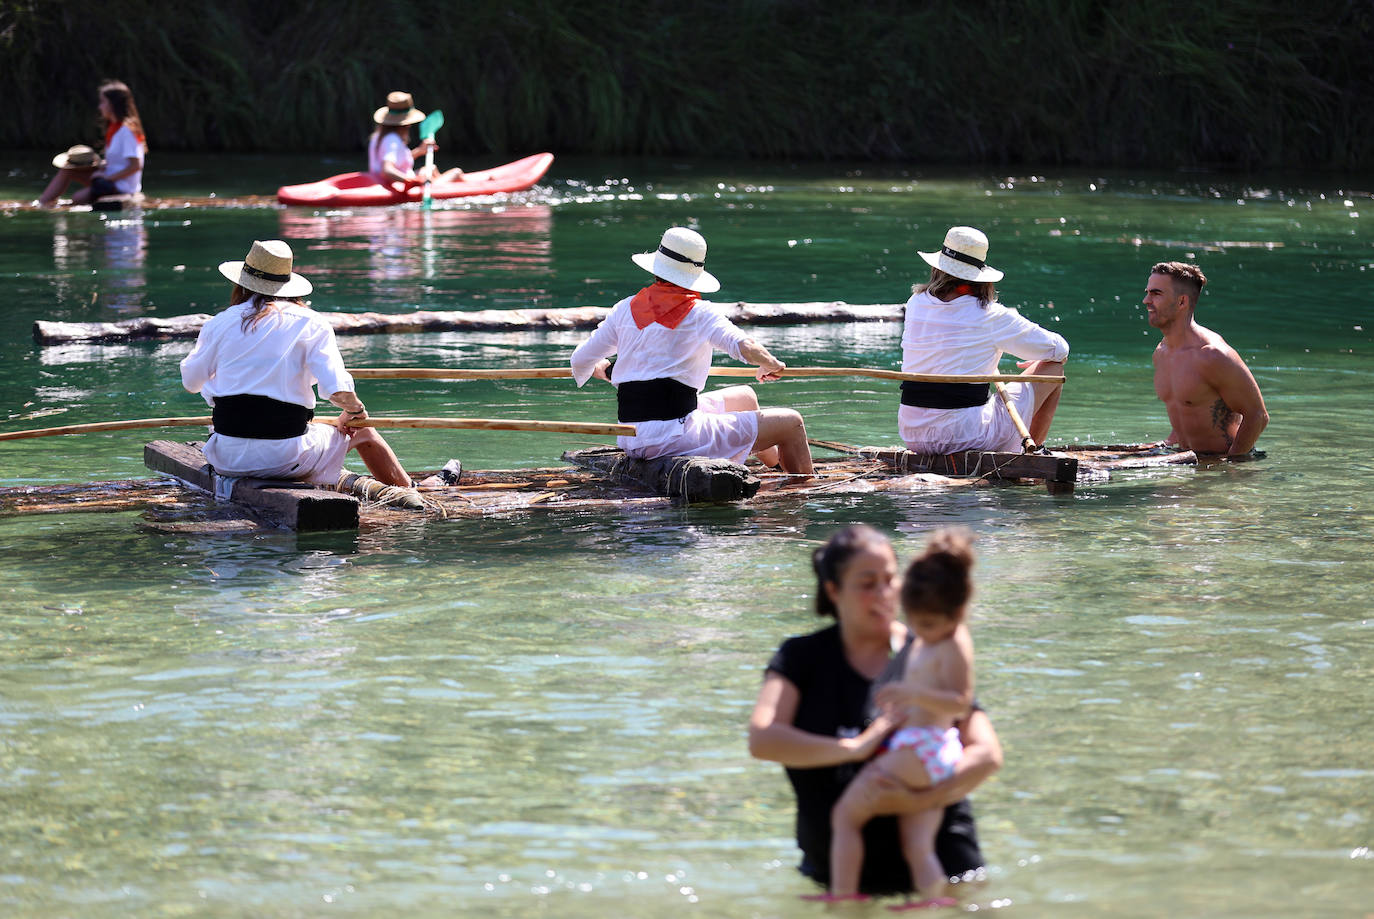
545 715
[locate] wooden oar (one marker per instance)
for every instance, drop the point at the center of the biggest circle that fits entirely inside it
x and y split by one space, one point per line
542 373
1027 442
477 424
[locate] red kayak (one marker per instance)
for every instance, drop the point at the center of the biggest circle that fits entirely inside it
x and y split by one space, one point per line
361 189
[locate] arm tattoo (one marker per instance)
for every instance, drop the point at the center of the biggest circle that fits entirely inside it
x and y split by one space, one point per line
1222 418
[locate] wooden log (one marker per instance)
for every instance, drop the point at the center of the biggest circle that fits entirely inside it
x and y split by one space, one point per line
1059 473
179 202
143 328
687 479
555 373
118 202
506 320
293 505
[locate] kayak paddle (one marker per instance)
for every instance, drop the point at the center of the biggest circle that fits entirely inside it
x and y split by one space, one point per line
432 123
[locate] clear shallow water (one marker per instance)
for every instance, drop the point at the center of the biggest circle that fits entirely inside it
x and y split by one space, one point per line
547 713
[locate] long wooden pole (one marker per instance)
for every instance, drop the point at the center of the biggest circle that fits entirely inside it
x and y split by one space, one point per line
473 424
98 426
1028 444
547 373
498 424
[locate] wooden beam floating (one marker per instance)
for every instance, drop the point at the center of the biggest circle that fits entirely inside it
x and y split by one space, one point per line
565 373
151 328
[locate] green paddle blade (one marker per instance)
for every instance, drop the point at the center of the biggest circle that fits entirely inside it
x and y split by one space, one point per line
432 123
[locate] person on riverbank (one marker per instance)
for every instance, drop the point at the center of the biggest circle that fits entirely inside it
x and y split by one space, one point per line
121 171
1214 404
954 325
815 716
936 689
256 363
389 154
664 336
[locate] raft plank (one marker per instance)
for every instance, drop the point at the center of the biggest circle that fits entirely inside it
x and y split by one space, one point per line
691 479
289 504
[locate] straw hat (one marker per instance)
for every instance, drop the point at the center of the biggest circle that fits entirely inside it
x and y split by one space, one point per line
78 157
399 109
680 258
964 255
267 270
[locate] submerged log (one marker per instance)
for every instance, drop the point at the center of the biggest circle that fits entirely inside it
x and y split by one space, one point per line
147 328
689 479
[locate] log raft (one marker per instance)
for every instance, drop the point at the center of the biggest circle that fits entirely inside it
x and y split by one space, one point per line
152 328
599 479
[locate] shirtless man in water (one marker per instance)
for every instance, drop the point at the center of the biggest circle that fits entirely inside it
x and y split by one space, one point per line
1214 404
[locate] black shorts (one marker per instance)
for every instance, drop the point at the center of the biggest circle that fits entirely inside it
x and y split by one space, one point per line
102 187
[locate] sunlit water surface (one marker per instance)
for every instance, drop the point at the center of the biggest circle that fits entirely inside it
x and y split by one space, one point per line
546 714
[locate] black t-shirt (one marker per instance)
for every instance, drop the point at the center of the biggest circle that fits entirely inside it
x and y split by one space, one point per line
835 703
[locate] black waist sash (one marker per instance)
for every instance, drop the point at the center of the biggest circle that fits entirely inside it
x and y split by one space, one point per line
260 417
945 395
654 400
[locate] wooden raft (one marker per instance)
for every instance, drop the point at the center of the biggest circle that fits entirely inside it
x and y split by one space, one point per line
289 504
603 483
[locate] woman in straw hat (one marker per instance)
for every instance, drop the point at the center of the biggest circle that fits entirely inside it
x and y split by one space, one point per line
121 172
389 155
665 335
954 325
256 364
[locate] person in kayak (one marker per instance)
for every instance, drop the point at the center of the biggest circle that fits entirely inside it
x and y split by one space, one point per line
954 325
665 335
121 172
257 364
389 154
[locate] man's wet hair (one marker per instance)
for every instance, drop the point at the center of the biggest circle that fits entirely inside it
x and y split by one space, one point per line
1187 276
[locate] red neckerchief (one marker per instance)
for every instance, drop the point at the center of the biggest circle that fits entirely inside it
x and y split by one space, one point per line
963 290
664 303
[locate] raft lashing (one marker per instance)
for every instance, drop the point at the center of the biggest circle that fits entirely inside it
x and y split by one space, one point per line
604 479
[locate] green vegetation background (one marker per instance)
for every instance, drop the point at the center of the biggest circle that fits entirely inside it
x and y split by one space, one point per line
1102 82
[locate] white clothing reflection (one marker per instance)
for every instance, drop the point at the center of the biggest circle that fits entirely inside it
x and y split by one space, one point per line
404 258
99 262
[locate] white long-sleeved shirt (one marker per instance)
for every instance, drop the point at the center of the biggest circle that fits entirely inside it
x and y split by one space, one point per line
389 148
962 336
657 352
291 349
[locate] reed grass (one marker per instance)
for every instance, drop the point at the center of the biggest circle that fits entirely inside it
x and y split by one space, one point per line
1103 82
